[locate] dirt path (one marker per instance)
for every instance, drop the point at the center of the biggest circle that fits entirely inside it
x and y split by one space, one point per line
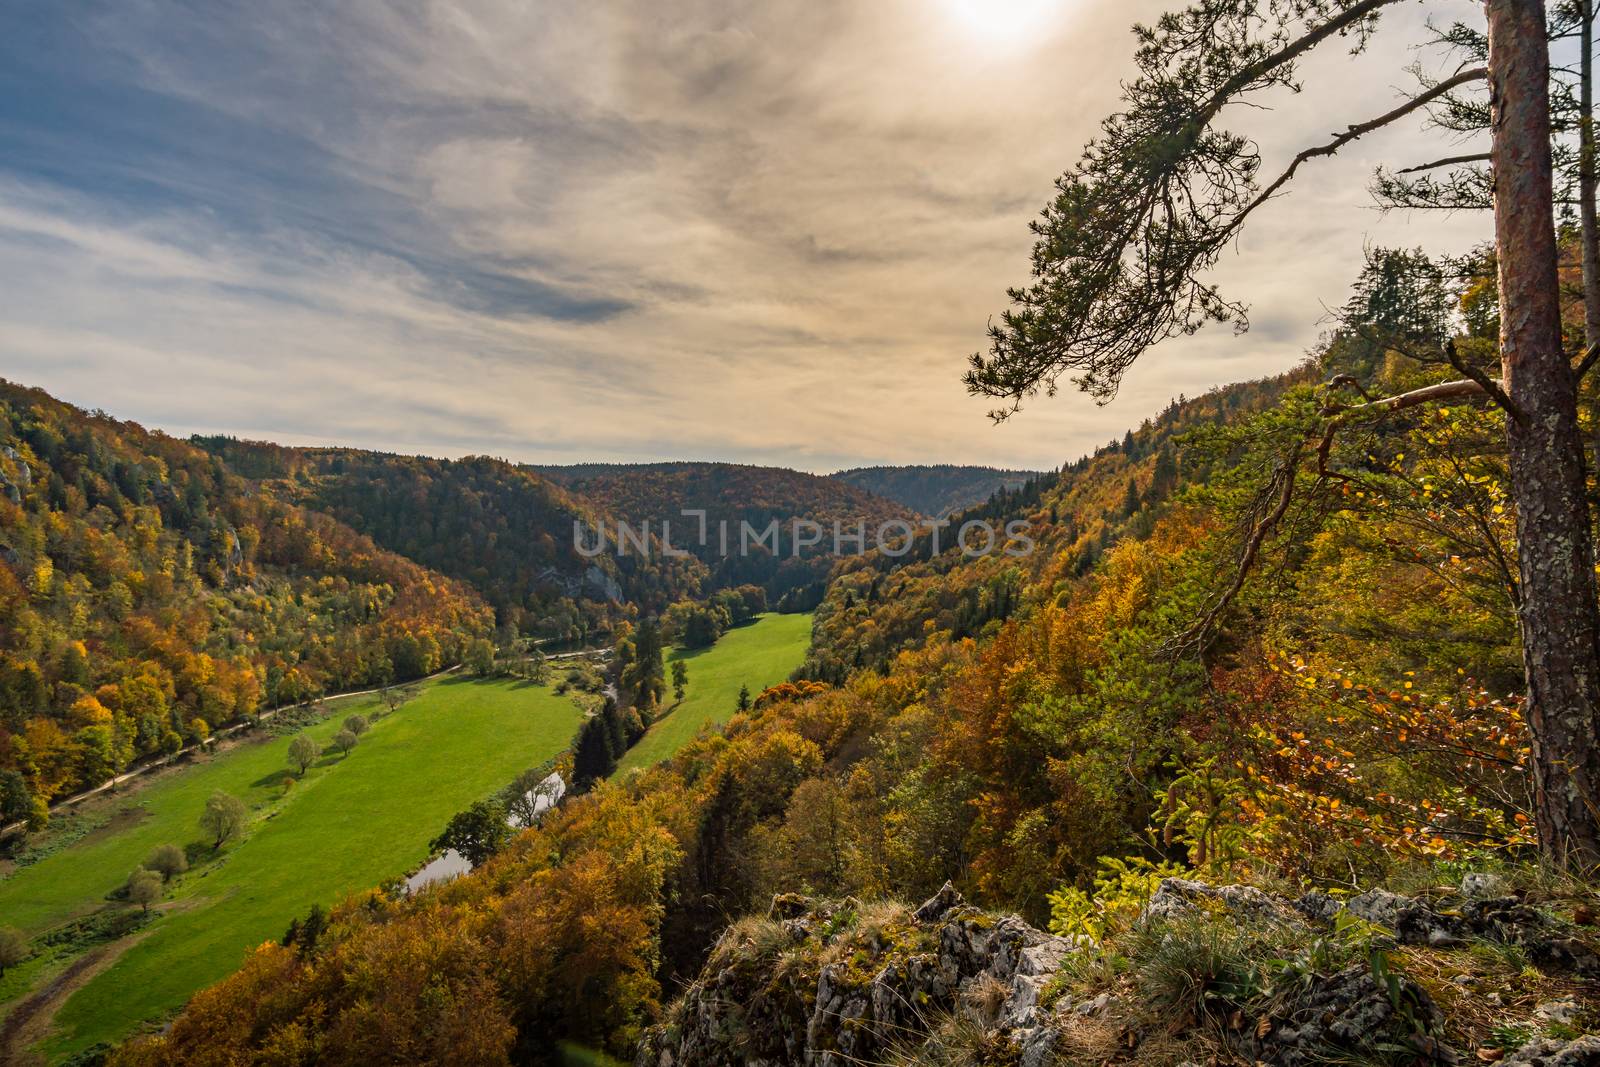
29 1021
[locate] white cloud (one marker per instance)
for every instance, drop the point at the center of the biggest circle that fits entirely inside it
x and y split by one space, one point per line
695 230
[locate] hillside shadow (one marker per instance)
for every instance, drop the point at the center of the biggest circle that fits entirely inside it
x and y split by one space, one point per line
199 855
528 683
688 654
272 779
668 710
469 680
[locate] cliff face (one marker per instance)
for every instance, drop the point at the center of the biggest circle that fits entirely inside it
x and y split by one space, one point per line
1209 974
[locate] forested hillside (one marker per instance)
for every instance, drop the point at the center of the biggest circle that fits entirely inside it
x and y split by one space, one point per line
880 605
506 531
937 489
149 595
736 494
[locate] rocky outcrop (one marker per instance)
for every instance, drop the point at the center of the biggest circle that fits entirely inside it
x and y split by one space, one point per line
826 984
1341 1013
1498 919
593 582
832 984
15 475
1178 897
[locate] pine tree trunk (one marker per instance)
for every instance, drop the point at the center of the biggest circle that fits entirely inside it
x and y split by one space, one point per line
1589 227
1559 618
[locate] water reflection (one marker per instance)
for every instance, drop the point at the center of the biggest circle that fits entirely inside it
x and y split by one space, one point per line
442 868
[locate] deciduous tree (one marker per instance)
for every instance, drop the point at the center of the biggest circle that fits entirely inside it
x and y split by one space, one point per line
13 948
345 740
223 819
477 833
480 657
144 887
302 752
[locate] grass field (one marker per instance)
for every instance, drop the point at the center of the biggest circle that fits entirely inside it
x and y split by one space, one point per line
351 823
758 655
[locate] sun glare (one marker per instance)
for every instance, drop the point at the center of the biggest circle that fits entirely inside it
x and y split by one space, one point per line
1008 22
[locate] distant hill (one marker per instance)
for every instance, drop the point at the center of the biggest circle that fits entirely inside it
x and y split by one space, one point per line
506 530
935 490
734 493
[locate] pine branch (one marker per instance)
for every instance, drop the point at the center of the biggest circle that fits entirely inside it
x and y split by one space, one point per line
1287 54
1359 130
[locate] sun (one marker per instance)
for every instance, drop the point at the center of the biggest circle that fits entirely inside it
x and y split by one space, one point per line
1007 22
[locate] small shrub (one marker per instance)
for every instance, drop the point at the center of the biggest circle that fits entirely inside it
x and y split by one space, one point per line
1511 1036
1122 888
13 947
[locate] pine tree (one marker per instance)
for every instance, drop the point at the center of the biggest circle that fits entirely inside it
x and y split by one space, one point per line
593 757
616 731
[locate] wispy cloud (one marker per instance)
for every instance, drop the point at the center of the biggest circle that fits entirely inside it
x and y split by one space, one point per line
703 229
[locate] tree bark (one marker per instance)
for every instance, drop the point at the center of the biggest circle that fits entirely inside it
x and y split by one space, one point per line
1590 228
1559 618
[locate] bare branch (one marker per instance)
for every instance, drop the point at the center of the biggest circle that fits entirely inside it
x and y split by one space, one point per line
1428 394
1448 161
1490 386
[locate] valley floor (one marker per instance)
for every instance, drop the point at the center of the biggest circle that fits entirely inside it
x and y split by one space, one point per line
756 656
351 822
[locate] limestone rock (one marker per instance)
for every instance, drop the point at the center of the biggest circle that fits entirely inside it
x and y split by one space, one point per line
1551 1052
867 991
1177 897
1341 1012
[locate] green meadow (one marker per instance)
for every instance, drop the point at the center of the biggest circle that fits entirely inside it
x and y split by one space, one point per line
350 823
758 655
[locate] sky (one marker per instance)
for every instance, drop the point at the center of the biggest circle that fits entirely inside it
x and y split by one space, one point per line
566 232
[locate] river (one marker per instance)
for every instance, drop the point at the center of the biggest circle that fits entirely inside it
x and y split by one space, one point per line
452 863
